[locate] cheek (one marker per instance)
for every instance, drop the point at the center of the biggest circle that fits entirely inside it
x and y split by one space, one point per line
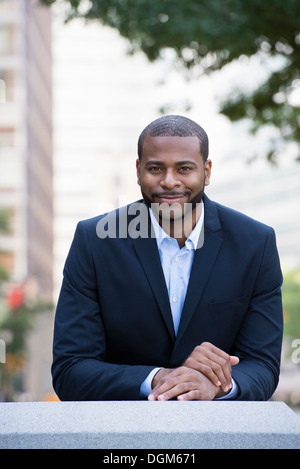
148 181
195 182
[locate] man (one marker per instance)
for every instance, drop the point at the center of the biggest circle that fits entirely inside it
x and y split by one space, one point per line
174 296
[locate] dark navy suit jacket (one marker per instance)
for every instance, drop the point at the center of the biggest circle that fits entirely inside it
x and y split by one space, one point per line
113 322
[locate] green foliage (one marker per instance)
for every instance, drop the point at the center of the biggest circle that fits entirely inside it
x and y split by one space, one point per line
18 322
4 275
18 314
4 220
291 304
14 330
210 34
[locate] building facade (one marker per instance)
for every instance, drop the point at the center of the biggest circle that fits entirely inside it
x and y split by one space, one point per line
26 170
26 179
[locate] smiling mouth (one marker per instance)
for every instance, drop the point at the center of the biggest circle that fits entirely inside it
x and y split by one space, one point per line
170 198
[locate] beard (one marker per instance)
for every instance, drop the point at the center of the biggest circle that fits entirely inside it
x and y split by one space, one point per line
187 209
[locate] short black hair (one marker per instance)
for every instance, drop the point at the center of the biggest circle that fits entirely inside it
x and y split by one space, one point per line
175 126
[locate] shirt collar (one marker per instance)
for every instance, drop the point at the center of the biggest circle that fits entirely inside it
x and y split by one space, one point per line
192 240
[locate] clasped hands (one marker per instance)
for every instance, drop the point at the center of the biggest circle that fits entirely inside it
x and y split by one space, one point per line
205 375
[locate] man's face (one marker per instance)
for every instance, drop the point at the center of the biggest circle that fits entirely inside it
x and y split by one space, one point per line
172 171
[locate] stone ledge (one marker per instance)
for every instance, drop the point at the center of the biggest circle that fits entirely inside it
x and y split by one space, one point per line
143 425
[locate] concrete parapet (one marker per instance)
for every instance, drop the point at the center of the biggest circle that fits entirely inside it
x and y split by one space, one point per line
143 425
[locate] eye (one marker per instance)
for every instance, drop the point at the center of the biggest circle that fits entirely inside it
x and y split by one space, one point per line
185 169
154 169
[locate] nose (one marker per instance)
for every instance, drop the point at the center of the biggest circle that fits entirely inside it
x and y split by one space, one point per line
169 180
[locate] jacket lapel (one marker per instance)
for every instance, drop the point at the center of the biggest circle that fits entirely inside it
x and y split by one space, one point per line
204 260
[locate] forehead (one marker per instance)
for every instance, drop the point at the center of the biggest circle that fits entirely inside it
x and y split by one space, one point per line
165 146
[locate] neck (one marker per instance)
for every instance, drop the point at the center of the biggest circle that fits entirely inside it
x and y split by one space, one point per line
181 228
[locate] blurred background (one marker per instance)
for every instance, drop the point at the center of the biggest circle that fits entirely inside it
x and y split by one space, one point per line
74 97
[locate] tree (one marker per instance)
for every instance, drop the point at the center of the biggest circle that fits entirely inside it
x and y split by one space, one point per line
19 309
207 35
18 314
291 303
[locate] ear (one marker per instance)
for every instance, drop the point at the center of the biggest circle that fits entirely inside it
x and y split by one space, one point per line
207 171
138 167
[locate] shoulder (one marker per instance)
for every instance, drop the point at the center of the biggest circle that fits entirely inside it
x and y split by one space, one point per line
109 222
235 216
230 216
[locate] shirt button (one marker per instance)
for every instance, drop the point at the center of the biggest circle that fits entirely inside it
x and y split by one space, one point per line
174 299
176 259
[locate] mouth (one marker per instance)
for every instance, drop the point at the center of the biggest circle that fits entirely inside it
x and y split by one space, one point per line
170 198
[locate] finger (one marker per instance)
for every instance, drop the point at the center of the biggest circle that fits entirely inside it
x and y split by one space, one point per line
207 358
179 381
222 371
194 395
214 366
226 362
172 389
221 364
234 360
207 371
177 390
166 383
208 351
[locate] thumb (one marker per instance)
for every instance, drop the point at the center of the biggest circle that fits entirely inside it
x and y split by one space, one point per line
234 360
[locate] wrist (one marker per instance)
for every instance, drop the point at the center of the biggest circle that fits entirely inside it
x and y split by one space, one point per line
222 393
159 375
231 394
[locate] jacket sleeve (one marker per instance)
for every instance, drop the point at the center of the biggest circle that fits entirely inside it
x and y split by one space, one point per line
259 341
79 369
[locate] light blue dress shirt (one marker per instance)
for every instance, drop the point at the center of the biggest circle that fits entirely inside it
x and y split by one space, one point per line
176 265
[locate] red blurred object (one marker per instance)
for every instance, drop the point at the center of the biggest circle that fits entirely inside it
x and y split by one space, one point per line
15 297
